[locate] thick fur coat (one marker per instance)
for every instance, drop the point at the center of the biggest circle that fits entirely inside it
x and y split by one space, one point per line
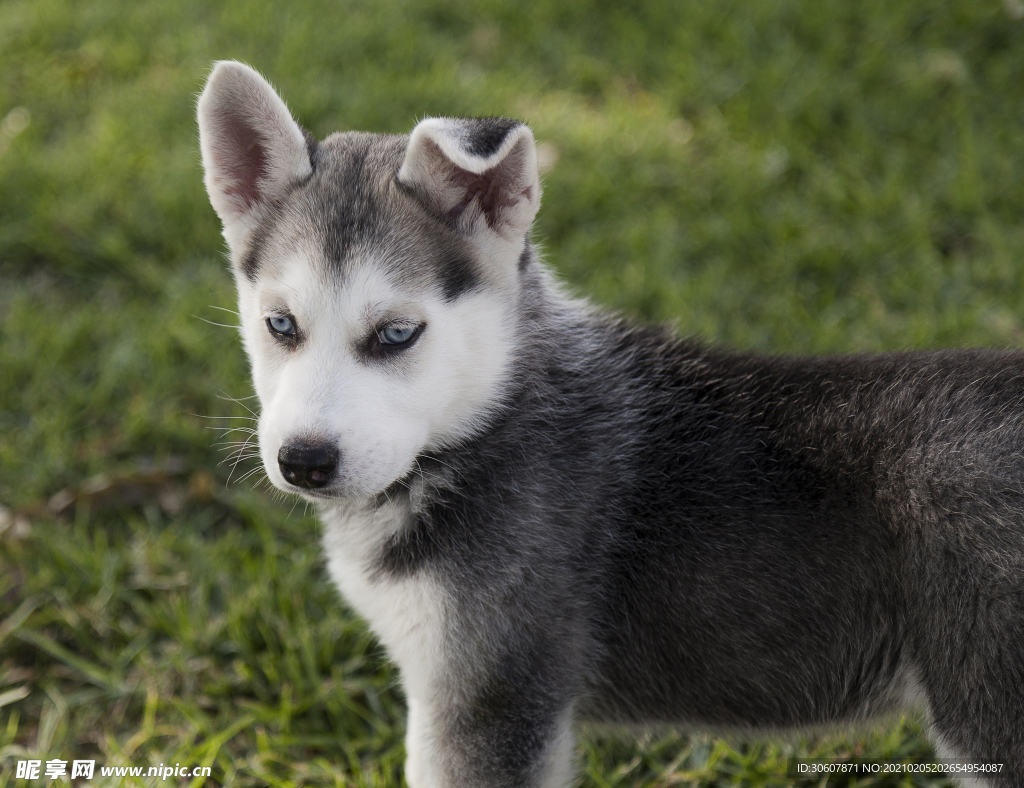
549 515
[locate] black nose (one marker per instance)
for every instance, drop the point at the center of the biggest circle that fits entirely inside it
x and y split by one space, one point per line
308 465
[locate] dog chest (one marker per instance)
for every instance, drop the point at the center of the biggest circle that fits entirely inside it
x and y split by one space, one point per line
406 613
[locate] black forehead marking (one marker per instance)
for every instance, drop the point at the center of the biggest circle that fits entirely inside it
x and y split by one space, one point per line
350 209
349 206
359 205
487 134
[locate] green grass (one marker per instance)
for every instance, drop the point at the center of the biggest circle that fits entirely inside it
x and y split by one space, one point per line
778 175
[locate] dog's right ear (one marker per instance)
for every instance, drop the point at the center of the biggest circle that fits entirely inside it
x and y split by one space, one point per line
253 151
478 174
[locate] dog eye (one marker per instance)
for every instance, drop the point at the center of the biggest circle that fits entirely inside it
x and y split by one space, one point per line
391 340
396 335
279 324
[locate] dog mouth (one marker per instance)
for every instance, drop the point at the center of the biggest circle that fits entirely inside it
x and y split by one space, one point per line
320 495
398 488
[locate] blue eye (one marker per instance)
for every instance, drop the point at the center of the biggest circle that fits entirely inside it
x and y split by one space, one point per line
280 324
396 335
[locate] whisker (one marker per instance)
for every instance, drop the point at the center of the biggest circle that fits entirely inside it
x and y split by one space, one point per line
233 467
235 460
246 475
452 468
316 524
242 452
222 325
224 418
232 443
238 401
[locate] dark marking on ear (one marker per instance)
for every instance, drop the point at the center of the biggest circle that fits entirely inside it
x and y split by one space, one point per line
488 134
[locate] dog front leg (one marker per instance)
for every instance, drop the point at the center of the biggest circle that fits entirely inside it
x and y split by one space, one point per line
525 742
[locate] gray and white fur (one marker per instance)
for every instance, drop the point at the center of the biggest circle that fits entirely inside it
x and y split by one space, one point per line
550 516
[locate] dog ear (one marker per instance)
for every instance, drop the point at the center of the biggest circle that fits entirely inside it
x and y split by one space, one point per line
253 151
479 174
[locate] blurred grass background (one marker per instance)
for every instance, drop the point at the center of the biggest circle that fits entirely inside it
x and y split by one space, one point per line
780 175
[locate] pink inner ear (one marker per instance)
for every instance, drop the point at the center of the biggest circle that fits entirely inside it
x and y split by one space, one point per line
474 186
494 188
244 160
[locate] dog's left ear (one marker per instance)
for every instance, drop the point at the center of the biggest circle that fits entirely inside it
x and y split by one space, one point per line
479 174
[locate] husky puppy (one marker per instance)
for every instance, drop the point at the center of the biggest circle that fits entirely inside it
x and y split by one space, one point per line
551 516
